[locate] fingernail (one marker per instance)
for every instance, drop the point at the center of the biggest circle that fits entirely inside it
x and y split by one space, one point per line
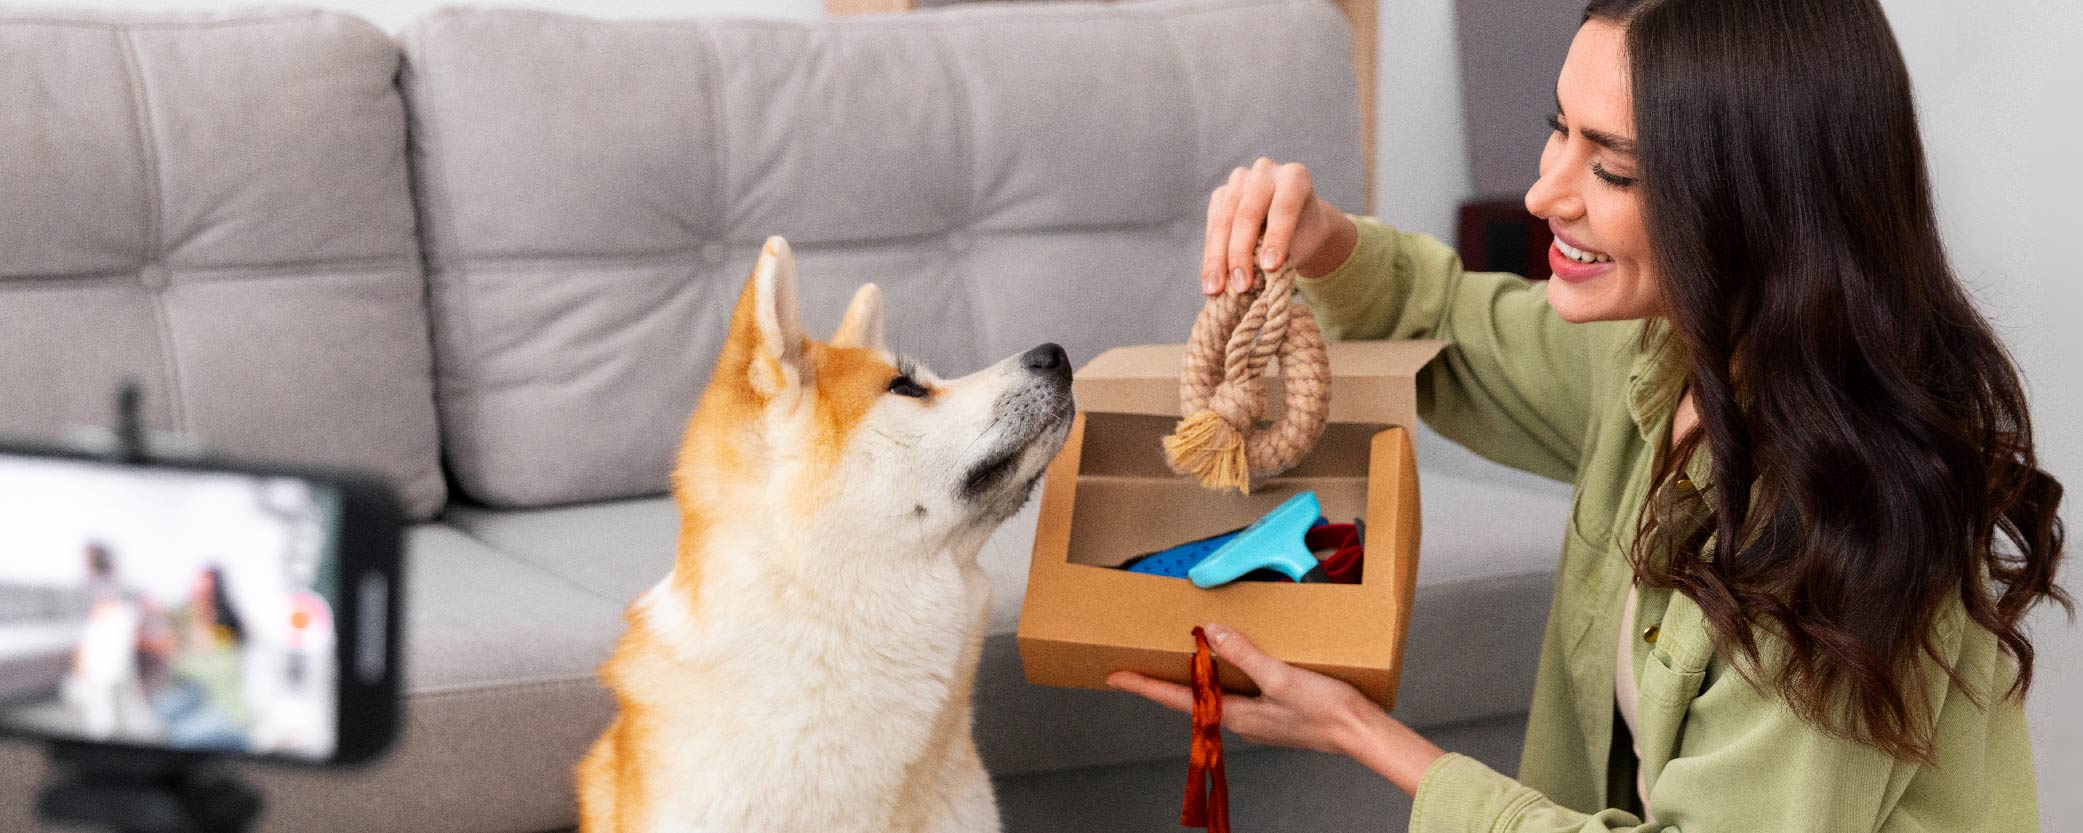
1216 633
1211 283
1238 282
1269 259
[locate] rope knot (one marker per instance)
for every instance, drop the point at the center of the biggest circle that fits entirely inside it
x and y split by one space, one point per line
1240 404
1222 395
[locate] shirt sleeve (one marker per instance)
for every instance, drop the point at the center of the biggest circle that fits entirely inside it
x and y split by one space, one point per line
1513 384
1746 763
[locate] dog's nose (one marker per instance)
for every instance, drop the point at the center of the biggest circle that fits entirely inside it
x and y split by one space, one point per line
1048 359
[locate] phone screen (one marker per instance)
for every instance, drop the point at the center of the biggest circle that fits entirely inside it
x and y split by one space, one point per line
167 607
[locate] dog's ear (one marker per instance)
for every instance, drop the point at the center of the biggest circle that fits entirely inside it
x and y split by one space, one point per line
862 326
765 327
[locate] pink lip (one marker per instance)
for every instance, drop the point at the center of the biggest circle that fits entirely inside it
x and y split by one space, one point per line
1570 270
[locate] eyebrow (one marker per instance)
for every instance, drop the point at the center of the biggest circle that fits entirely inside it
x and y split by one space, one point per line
1616 144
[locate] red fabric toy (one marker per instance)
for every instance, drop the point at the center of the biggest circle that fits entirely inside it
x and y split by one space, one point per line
1342 564
1206 806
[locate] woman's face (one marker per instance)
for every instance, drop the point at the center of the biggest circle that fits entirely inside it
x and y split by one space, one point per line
1587 191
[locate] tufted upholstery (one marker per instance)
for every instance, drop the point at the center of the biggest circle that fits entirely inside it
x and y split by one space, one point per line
594 194
219 208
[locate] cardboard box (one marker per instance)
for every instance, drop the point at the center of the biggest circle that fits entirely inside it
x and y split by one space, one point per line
1109 496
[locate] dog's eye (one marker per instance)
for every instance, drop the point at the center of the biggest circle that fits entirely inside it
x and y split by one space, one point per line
906 386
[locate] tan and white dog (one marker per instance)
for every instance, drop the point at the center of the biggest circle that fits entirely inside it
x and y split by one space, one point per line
807 664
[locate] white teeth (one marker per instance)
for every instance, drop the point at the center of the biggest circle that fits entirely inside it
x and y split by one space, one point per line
1579 255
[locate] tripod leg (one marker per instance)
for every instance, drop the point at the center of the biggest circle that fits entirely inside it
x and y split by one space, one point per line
141 791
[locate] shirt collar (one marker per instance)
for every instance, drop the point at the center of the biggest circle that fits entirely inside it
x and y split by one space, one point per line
1656 379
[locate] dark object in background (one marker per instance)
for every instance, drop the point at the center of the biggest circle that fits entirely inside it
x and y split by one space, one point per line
1500 236
144 791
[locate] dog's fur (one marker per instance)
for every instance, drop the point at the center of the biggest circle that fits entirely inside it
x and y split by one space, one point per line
807 664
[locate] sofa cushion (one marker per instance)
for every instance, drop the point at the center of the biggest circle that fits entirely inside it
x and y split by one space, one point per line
595 192
1475 629
1480 520
1491 538
612 549
217 207
478 617
619 549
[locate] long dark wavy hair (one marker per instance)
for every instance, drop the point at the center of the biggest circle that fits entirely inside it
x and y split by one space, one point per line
1841 374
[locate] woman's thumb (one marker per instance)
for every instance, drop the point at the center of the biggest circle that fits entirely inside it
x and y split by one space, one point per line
1232 646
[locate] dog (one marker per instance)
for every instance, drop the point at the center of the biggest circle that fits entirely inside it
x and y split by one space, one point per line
807 664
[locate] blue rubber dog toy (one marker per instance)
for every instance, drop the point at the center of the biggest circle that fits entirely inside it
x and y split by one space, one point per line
1175 561
1274 541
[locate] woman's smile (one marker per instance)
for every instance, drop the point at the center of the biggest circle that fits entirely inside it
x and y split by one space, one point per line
1573 261
1588 187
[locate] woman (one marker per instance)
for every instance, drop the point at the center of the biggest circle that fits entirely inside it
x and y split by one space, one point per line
1808 518
204 707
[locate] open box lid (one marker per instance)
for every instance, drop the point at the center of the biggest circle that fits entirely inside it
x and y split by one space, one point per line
1372 382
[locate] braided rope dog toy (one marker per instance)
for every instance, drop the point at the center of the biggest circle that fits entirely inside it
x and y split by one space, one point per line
1222 393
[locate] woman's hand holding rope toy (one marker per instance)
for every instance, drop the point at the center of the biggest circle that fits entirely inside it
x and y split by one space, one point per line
1222 392
1270 211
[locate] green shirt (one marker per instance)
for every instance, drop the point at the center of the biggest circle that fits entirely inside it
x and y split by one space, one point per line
1592 404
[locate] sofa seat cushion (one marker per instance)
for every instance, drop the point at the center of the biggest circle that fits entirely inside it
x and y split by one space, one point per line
1491 539
613 550
619 549
1480 520
479 617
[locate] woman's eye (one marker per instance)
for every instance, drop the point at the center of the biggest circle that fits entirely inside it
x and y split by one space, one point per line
1611 178
906 386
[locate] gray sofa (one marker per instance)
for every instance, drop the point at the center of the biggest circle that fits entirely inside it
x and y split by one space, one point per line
491 258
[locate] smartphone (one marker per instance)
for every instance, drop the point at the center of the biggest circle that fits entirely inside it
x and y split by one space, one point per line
198 606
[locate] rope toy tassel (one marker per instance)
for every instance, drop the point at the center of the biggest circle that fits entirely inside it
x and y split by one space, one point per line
1207 786
1220 442
1207 447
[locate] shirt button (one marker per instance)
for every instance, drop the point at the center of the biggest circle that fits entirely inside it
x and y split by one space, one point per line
1649 634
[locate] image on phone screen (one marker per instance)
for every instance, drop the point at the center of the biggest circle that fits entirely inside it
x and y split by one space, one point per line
167 607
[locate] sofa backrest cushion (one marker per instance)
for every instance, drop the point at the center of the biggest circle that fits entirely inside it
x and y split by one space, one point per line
218 207
594 194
